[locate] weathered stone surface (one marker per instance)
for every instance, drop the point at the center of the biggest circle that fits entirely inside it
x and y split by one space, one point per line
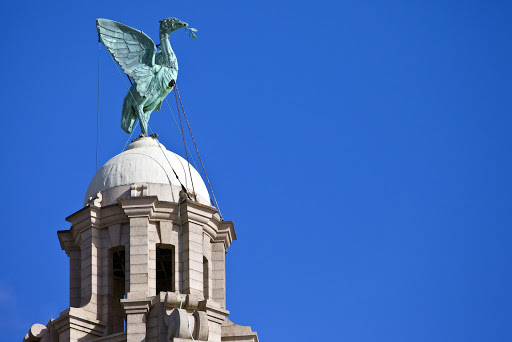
104 290
144 162
237 333
36 332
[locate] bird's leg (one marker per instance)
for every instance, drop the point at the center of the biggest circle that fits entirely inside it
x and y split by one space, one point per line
143 119
143 129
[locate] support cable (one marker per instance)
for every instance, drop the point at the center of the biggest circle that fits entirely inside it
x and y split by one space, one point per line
175 174
127 141
181 132
197 150
185 144
98 105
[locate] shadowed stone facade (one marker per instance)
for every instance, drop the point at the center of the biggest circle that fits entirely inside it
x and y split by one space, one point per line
147 259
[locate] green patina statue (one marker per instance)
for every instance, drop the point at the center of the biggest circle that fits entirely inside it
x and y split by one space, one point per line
154 73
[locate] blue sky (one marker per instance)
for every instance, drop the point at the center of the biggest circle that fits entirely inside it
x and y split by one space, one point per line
362 149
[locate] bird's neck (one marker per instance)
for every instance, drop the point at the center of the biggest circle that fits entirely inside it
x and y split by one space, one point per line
169 59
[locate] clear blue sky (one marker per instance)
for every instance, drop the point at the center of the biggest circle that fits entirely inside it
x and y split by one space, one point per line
362 148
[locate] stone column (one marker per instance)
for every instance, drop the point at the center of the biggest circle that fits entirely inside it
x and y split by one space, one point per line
136 318
138 210
139 257
67 243
90 241
193 259
219 273
83 245
137 303
193 217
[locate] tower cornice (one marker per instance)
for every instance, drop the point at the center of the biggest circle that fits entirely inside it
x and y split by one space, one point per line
142 206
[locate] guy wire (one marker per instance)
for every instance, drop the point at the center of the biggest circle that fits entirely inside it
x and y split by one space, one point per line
127 141
185 144
98 106
197 150
178 127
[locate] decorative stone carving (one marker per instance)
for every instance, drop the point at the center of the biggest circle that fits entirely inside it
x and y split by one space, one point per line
186 323
37 332
180 323
138 190
96 199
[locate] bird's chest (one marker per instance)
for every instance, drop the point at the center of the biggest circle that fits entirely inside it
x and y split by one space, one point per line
163 84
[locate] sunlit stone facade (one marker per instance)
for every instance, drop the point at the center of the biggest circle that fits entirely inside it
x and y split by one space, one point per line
146 256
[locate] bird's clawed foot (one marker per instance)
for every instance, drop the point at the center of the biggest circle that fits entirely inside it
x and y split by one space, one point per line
142 135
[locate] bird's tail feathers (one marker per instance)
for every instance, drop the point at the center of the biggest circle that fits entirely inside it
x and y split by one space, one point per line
128 117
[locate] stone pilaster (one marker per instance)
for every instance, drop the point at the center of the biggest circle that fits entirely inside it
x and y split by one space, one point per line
75 276
138 210
219 273
90 268
193 259
139 258
193 217
136 318
83 244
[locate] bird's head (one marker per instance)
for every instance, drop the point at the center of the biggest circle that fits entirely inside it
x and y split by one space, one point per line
169 25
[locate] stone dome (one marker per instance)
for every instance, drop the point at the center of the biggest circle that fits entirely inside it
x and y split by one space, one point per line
146 161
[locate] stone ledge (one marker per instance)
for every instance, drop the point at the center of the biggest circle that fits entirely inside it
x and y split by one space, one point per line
75 319
136 305
119 337
142 206
237 333
215 313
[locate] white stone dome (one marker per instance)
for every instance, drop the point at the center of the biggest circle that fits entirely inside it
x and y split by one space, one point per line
146 161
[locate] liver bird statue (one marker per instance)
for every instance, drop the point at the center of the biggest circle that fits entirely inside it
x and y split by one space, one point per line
154 73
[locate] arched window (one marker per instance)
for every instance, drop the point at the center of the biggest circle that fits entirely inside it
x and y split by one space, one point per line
118 289
206 278
164 269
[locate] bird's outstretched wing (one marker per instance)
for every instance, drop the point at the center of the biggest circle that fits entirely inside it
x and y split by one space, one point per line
133 50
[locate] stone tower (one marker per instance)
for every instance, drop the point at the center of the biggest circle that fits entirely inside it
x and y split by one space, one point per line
146 255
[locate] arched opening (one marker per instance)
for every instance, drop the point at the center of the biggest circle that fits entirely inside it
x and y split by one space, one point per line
164 268
118 289
206 278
